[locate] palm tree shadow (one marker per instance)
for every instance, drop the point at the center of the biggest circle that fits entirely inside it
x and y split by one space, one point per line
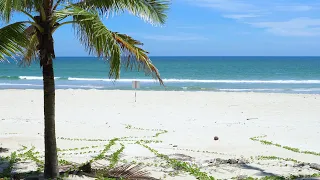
9 167
262 172
4 163
2 150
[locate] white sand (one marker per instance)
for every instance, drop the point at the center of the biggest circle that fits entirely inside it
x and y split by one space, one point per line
191 118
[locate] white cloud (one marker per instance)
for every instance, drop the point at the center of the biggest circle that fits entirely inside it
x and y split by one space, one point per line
190 27
240 16
294 27
294 8
254 5
276 16
226 5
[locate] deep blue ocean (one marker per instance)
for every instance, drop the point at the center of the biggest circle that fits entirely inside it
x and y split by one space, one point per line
240 74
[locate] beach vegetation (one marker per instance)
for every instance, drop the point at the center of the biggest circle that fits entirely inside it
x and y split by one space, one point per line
81 139
296 150
114 159
103 152
276 158
33 40
190 168
290 177
33 155
266 142
108 171
10 160
291 149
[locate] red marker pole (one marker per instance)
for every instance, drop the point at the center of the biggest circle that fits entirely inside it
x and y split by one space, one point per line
135 85
135 92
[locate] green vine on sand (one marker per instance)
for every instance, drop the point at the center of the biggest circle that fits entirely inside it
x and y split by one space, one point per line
105 150
96 158
81 152
81 139
128 126
192 169
291 177
258 139
77 149
159 131
277 158
148 141
114 159
198 151
33 156
23 148
64 162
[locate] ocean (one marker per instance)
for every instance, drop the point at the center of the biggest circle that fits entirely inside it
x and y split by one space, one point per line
239 74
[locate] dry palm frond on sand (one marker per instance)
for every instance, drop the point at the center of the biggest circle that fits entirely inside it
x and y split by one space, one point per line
123 172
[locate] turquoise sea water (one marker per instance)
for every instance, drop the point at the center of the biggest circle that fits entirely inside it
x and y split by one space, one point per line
257 74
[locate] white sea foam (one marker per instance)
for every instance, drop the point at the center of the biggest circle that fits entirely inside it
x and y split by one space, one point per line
12 84
39 85
80 86
91 79
307 90
185 80
205 81
251 90
273 90
33 77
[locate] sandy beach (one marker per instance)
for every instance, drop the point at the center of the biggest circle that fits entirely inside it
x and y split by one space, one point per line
258 132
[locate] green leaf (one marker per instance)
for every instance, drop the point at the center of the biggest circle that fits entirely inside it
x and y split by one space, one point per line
153 11
7 7
12 41
31 52
99 40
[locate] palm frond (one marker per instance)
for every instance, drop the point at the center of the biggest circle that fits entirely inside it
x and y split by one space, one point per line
153 11
136 57
12 41
99 40
7 7
127 172
31 5
31 51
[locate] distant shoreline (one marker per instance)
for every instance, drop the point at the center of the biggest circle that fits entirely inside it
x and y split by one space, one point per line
168 91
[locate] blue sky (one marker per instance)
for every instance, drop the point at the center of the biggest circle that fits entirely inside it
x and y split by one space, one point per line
219 28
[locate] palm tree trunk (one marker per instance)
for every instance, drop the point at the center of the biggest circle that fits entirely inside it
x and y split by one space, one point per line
46 50
51 160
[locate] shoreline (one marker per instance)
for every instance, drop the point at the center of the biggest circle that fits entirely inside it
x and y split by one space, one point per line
144 90
250 127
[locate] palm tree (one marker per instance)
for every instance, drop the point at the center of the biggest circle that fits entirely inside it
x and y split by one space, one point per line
33 39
